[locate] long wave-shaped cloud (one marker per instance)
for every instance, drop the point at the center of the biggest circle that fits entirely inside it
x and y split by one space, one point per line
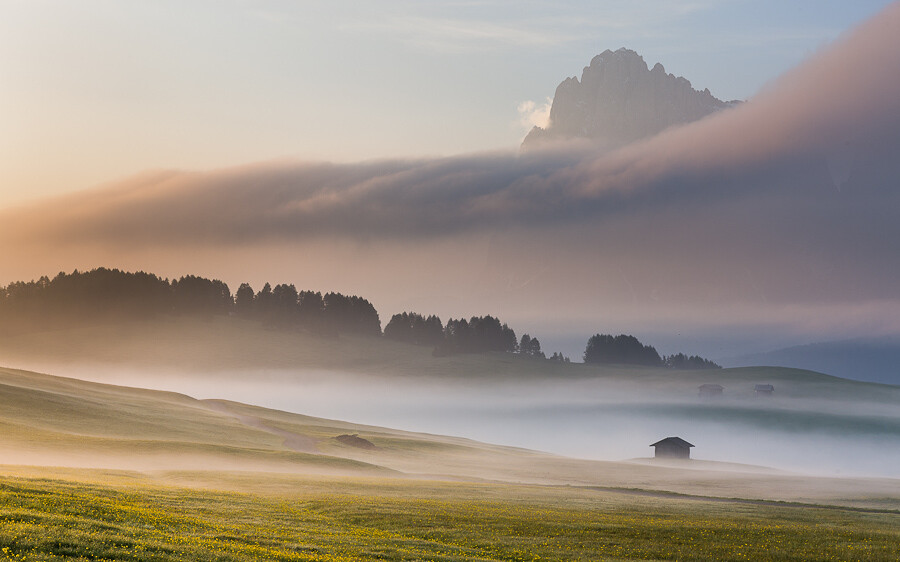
841 108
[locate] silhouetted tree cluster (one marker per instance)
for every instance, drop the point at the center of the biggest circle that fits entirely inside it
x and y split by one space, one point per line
557 356
530 347
411 327
311 309
621 349
479 334
624 349
284 306
243 300
197 295
274 307
80 296
682 361
112 294
350 314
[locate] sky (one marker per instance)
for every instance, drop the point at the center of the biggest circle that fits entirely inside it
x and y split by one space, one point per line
372 150
93 91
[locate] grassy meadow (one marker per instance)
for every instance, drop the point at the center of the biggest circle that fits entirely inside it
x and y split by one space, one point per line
89 515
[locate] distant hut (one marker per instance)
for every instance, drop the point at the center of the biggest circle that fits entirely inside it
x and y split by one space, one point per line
710 390
672 448
764 390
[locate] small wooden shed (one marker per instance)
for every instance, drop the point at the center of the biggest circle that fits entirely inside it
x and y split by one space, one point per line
710 390
764 390
672 448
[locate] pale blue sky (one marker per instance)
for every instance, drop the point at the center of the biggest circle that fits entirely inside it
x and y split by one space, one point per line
94 90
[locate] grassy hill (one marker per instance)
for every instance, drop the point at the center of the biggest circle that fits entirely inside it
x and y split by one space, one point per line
49 420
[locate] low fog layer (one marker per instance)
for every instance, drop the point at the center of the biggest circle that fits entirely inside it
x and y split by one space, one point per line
592 419
780 214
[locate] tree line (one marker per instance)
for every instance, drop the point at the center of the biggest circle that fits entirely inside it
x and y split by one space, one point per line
111 294
328 314
103 294
628 350
479 334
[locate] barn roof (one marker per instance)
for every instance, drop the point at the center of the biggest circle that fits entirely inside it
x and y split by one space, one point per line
672 441
764 387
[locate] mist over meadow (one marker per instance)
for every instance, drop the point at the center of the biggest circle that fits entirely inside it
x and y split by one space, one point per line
852 432
587 419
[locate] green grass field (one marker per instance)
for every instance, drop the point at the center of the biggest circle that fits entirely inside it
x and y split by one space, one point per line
127 516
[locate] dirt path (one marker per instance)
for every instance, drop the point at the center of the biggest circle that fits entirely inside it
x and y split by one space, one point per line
293 441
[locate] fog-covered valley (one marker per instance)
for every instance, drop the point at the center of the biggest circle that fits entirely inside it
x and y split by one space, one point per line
802 428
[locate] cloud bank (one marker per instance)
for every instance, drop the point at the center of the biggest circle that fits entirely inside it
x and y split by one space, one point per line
789 199
533 114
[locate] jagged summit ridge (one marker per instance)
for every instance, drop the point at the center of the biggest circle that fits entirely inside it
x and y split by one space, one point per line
620 100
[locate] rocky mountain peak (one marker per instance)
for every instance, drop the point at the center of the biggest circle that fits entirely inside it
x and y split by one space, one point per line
620 100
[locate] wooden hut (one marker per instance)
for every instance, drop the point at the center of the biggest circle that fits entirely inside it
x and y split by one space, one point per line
672 448
710 390
764 390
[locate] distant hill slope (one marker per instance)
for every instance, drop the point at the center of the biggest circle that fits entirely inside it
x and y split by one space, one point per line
873 360
619 100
